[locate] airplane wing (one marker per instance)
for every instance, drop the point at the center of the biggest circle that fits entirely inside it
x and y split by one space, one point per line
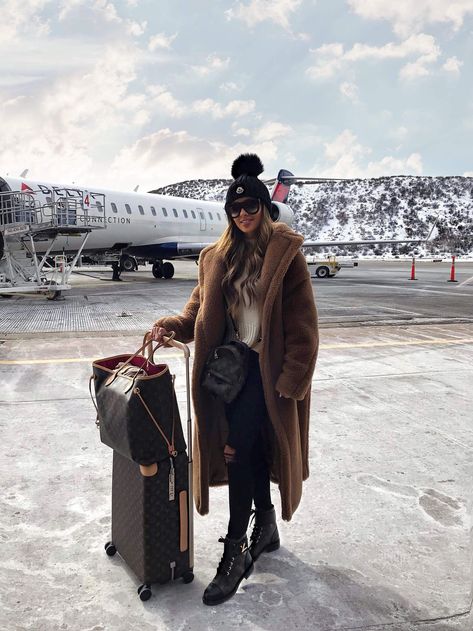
280 191
430 237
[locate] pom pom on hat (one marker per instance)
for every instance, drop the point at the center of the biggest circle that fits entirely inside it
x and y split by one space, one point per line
245 170
247 164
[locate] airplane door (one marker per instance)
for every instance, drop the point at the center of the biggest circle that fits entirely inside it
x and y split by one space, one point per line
203 224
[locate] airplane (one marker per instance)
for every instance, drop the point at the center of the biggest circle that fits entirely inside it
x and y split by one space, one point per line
159 228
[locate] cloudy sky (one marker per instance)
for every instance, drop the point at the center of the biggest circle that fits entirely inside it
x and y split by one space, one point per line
152 92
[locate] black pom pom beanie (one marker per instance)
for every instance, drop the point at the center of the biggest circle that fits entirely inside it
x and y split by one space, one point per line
245 171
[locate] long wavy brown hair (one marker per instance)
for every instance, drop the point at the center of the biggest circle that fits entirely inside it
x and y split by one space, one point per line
244 258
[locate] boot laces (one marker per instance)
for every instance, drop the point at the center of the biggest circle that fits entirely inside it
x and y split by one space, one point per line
227 561
257 529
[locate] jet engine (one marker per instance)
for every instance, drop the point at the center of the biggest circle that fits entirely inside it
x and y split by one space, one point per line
281 212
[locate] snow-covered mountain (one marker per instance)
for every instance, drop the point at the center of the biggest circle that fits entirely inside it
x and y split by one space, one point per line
387 207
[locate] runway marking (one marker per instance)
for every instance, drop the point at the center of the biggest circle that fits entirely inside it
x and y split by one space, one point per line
63 360
77 360
400 343
465 282
408 288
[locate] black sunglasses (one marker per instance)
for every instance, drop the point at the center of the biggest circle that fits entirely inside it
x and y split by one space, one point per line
250 206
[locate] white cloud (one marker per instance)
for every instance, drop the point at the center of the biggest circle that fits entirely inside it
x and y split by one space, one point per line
277 11
347 157
332 58
453 65
270 131
349 90
170 156
60 138
409 17
160 40
217 110
166 102
468 174
241 131
25 19
108 10
214 63
399 133
136 28
230 86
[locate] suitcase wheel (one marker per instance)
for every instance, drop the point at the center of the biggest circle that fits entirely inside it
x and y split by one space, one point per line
144 592
188 577
110 549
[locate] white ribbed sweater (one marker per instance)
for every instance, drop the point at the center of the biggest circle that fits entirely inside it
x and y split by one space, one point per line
248 319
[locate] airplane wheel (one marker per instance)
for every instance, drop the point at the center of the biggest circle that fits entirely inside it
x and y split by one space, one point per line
127 264
168 270
157 269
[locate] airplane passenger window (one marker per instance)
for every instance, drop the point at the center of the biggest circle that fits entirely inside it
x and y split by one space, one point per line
193 213
175 212
141 209
99 206
114 207
201 214
128 209
211 218
153 211
185 213
165 212
219 218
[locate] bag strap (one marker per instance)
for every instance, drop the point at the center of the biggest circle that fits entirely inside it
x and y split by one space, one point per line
97 421
171 448
115 373
148 344
230 316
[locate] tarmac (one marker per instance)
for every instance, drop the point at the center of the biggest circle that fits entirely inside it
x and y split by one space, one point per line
383 537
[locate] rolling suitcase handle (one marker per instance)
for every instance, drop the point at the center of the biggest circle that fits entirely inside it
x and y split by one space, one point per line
190 505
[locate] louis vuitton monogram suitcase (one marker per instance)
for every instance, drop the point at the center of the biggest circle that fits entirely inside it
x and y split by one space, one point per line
152 512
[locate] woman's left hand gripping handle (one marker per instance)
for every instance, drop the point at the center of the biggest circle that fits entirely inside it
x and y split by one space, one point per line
158 333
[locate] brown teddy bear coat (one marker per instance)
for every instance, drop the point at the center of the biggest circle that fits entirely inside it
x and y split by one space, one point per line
287 359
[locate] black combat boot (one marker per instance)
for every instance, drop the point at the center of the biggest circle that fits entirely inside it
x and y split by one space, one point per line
235 565
265 535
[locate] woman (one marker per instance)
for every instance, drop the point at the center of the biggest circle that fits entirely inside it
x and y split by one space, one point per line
253 282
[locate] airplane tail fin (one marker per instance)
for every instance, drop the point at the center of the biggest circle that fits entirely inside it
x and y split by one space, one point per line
280 190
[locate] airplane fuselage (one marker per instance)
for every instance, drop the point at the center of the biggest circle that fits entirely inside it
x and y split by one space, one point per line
144 224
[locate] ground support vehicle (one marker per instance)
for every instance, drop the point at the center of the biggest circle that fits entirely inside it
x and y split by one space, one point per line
323 268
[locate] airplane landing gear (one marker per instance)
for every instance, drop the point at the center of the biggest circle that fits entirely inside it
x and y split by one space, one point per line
163 270
168 270
158 269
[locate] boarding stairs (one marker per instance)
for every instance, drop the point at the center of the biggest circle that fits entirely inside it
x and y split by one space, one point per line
31 229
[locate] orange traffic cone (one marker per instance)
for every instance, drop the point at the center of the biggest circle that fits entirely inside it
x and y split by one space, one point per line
452 272
413 270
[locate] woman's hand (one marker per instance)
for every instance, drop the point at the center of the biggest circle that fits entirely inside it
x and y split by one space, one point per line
157 334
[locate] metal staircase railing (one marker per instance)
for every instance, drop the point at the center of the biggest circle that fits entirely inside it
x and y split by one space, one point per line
26 217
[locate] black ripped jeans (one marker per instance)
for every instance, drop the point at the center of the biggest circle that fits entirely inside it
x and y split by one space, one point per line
248 469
